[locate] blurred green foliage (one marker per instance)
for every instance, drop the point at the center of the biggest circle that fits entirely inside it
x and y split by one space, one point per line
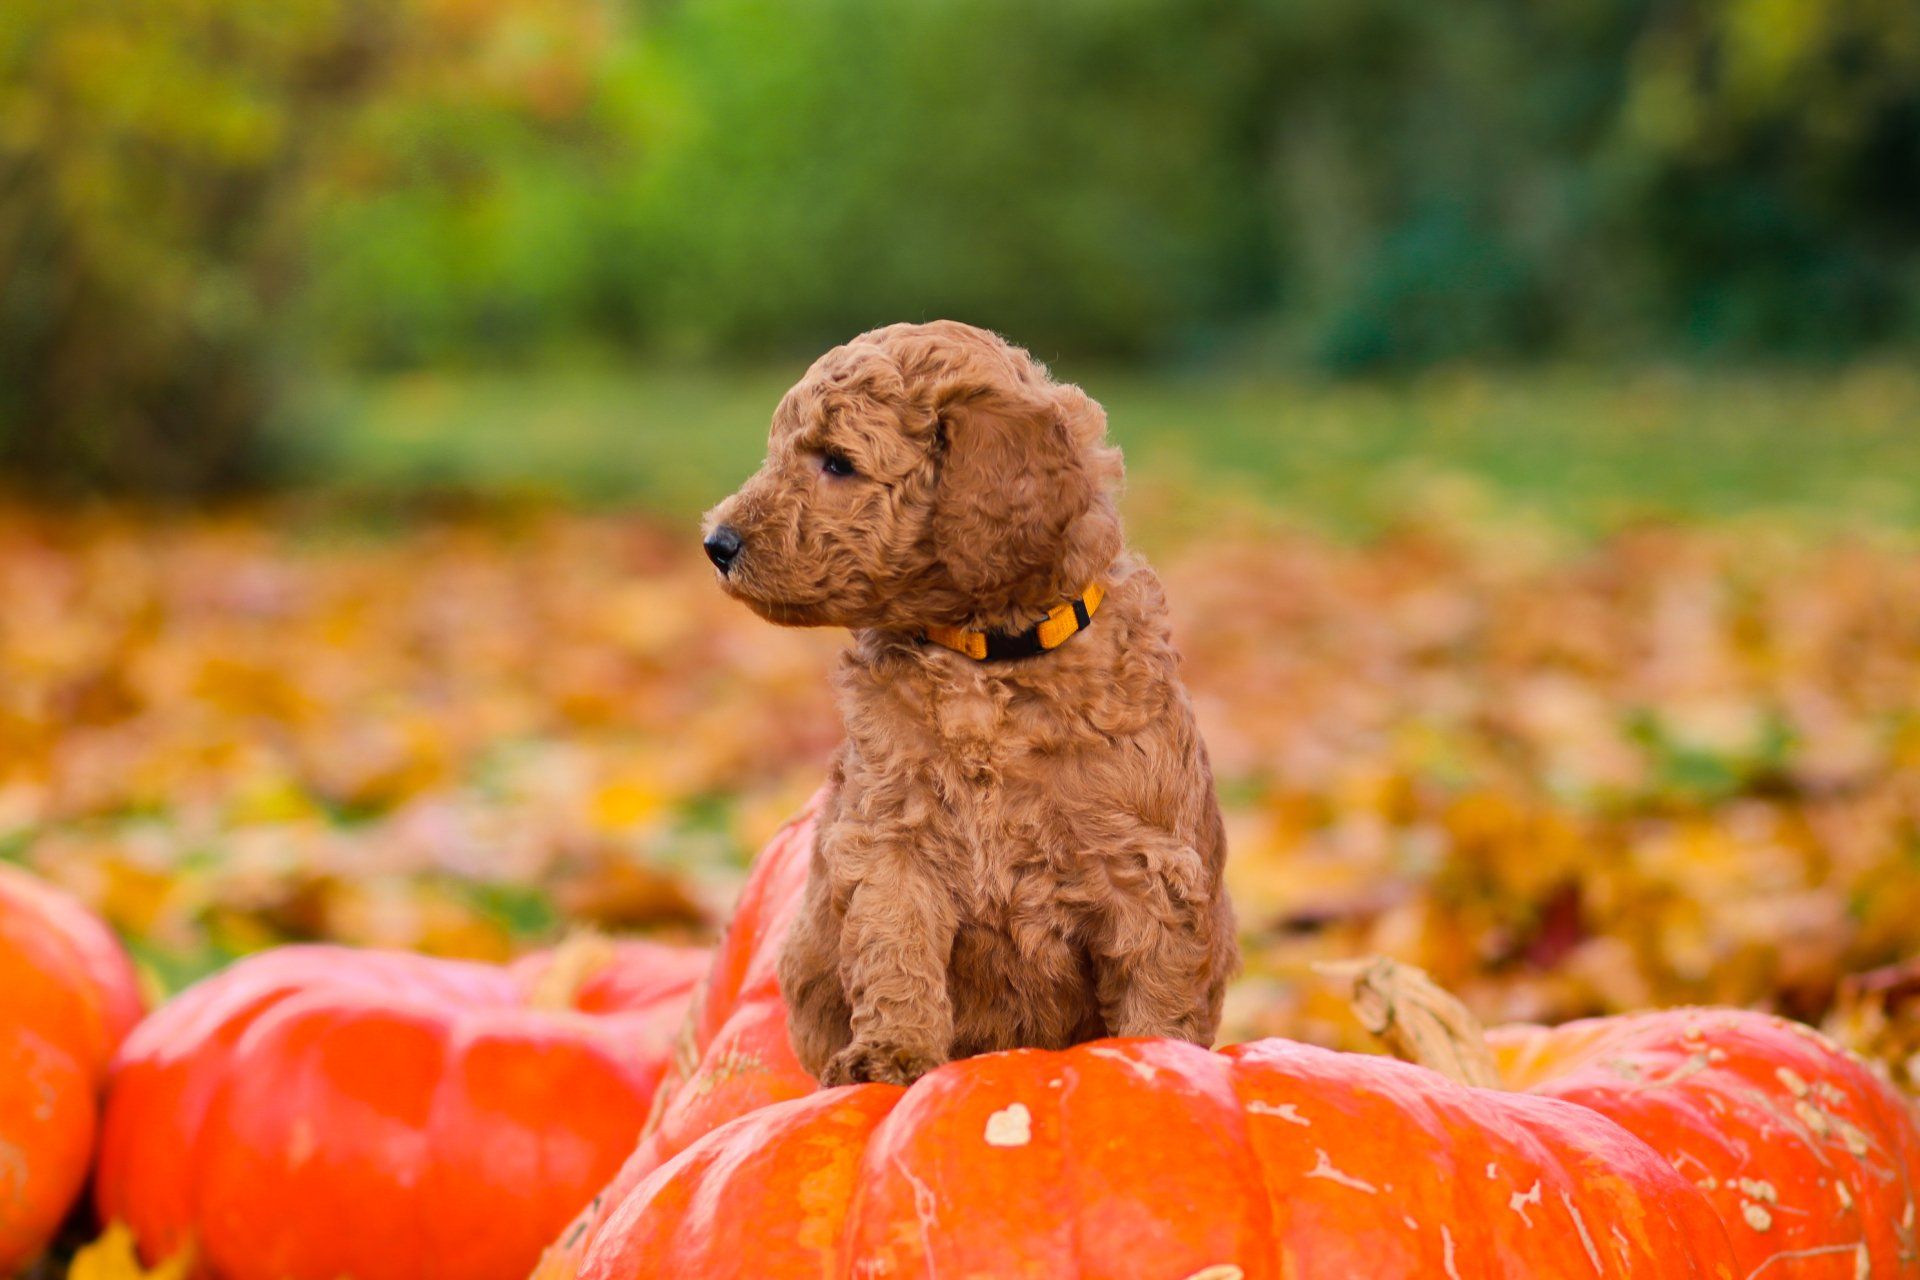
199 198
1076 173
169 170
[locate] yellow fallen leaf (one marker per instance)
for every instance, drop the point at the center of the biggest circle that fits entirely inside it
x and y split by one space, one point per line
114 1256
625 803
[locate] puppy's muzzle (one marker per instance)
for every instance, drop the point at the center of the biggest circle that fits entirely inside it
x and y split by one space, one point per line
723 546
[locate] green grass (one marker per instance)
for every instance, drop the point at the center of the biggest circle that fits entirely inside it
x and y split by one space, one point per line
1587 448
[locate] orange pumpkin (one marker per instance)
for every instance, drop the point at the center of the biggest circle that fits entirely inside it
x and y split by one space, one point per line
734 1054
314 1112
1156 1158
67 996
1805 1158
1811 1160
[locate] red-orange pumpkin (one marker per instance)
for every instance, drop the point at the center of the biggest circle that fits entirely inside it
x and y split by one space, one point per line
1807 1160
67 996
1811 1161
316 1112
733 1054
1154 1158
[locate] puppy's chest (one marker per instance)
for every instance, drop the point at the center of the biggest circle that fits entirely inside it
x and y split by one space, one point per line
1009 854
981 734
998 773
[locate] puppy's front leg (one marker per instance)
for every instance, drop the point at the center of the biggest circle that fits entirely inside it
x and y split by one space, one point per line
894 951
1157 951
819 1023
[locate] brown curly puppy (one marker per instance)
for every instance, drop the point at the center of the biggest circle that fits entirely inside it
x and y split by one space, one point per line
1022 846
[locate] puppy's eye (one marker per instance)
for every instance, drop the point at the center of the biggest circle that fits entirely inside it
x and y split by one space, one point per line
837 464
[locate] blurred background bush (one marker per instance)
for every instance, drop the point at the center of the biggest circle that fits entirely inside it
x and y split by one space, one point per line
206 205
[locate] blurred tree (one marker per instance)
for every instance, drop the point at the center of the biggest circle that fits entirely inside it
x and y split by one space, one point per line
1371 181
1429 201
1078 173
1769 157
1504 178
161 166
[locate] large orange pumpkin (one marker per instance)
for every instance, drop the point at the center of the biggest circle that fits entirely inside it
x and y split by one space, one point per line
67 996
1807 1160
1154 1158
316 1112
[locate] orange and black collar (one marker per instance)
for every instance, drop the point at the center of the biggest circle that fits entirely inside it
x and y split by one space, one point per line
1060 624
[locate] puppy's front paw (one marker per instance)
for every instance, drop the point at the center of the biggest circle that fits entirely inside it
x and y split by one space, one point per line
874 1063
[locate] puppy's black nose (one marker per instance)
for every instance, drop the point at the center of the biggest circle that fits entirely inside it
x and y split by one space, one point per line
722 545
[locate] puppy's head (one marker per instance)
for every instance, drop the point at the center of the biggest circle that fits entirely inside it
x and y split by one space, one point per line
922 475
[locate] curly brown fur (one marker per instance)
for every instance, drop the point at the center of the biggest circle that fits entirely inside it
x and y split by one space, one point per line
1020 853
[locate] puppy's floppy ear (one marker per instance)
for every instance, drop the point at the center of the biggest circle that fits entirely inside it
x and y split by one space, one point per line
1010 484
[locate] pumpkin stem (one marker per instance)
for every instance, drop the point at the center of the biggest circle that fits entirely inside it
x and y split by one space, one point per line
580 956
1416 1018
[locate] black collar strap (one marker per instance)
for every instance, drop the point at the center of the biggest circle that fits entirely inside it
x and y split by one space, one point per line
1064 621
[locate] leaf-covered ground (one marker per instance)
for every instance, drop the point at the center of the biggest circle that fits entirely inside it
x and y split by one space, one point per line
1679 764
